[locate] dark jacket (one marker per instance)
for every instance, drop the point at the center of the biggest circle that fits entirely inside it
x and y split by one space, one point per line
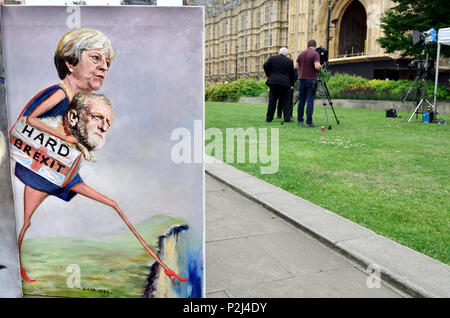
280 71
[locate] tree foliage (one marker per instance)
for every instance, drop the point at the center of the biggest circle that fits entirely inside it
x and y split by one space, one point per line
398 22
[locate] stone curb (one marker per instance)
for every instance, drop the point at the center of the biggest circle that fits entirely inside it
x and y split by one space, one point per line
412 272
442 107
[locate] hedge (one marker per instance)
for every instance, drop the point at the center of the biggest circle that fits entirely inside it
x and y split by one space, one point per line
341 86
355 87
234 90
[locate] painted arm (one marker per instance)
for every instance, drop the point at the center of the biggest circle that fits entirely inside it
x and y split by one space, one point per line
44 107
85 190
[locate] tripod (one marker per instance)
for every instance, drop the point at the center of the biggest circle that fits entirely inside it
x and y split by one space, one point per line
325 95
420 80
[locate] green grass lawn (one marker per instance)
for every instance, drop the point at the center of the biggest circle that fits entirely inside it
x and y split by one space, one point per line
382 173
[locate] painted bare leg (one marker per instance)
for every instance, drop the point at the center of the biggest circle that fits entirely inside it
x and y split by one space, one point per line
32 198
85 190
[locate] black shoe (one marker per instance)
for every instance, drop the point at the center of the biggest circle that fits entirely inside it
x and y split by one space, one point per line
310 125
288 121
269 120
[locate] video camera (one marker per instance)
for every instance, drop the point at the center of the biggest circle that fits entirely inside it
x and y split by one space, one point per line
421 65
323 54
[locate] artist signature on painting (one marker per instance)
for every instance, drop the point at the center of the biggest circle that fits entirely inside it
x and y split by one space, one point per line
100 291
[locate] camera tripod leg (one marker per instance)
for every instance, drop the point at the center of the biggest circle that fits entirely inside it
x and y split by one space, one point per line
322 93
415 110
328 121
326 93
440 115
413 85
335 117
326 115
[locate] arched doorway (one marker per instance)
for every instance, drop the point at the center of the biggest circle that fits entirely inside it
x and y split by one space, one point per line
353 30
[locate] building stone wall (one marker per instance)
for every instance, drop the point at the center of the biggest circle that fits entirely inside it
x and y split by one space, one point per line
373 10
249 31
261 27
242 31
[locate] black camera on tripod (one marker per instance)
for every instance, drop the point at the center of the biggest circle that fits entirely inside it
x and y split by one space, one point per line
323 53
421 65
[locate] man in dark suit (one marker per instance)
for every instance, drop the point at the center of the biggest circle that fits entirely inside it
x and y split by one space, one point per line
291 96
281 76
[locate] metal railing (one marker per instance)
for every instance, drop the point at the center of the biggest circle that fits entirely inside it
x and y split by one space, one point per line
351 55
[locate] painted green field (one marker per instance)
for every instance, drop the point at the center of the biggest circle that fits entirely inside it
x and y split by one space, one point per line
112 266
385 174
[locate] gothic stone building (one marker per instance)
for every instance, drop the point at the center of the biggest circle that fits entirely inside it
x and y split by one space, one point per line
241 34
354 29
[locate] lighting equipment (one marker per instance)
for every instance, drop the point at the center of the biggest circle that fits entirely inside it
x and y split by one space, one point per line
425 37
422 67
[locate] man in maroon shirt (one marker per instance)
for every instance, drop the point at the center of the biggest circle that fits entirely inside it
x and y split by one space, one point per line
308 62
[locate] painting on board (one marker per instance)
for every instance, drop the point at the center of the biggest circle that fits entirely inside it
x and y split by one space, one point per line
10 285
95 98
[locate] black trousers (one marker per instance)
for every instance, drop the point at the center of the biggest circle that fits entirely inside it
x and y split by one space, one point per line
281 95
290 105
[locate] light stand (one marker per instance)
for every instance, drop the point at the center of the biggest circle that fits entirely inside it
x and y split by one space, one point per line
421 78
436 85
426 38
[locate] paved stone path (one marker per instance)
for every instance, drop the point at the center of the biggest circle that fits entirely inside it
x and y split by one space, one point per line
250 252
